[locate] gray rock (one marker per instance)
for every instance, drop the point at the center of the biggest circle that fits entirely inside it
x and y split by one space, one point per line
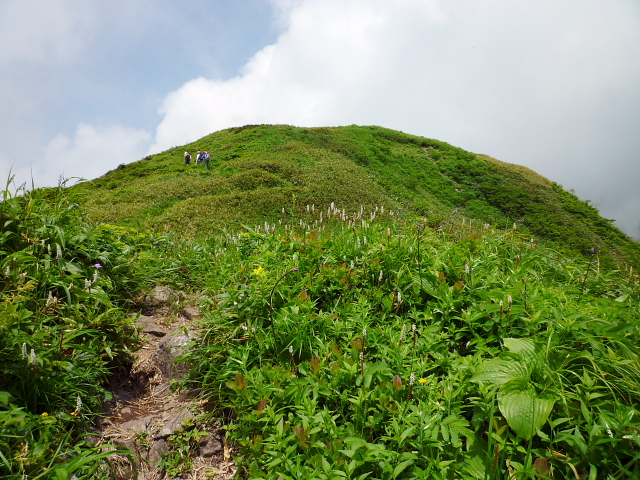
175 424
160 295
147 325
209 445
170 348
130 445
138 424
190 313
156 451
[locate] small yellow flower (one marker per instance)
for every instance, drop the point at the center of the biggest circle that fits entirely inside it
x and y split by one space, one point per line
44 414
259 272
422 381
75 413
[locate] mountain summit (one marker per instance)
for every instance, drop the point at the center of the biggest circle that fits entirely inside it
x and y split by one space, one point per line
263 173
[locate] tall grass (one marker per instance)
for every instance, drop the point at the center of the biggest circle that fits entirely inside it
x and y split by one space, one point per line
63 329
337 342
367 346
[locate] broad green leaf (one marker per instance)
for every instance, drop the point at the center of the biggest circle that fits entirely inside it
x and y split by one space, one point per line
355 442
406 433
525 411
400 467
475 467
499 371
527 349
428 284
349 453
4 398
61 474
72 268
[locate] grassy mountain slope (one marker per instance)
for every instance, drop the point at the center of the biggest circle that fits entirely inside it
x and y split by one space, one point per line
259 170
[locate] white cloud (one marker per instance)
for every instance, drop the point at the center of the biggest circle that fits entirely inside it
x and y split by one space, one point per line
330 52
550 84
532 82
45 32
90 153
431 67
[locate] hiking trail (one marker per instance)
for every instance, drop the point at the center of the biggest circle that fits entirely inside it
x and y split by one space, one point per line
145 414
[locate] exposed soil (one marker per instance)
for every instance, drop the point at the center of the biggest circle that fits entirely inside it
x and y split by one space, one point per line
145 412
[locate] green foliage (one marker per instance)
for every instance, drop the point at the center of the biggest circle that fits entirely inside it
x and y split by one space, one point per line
62 330
354 341
493 336
179 459
365 346
258 170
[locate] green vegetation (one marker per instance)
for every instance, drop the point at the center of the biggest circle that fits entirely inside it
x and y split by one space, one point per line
385 349
63 330
393 307
258 170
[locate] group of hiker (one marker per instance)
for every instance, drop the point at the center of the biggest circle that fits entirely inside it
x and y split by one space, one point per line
202 157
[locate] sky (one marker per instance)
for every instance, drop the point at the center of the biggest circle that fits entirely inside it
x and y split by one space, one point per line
554 85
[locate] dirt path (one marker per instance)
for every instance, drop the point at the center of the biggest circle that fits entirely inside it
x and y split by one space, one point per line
147 417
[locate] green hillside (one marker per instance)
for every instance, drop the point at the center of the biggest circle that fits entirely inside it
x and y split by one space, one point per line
259 170
392 340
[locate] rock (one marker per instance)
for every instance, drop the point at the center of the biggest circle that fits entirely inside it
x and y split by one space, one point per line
175 424
138 424
148 326
158 448
209 445
170 348
190 313
160 295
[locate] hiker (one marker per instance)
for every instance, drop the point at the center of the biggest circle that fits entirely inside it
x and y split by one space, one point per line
207 159
198 157
187 158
